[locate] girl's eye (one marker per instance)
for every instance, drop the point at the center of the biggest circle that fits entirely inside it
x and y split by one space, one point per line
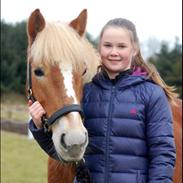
107 45
121 46
39 72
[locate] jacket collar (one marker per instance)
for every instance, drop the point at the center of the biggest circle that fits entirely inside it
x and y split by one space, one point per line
123 80
120 75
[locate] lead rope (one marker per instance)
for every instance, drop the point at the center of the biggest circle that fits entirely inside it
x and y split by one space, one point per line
83 173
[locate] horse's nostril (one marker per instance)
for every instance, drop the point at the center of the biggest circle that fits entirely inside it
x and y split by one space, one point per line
62 141
69 143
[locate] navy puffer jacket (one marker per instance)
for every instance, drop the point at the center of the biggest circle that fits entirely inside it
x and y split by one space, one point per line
130 131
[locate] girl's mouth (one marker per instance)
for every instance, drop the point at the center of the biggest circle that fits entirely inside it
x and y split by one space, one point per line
112 60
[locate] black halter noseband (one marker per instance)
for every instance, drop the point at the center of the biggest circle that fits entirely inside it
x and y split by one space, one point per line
47 122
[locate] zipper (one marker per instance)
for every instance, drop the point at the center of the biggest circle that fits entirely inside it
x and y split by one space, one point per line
106 180
139 180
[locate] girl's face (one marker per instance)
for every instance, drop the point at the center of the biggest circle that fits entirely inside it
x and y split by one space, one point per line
116 50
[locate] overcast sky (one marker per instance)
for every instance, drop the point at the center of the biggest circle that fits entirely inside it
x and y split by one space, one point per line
161 19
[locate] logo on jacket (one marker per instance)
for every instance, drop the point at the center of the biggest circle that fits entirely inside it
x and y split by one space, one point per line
133 111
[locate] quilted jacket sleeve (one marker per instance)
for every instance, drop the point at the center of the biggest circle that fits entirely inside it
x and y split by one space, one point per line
160 137
44 140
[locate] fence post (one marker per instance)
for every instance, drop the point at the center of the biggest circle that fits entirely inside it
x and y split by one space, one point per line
30 136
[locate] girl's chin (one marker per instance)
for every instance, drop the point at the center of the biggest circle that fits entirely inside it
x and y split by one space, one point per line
115 69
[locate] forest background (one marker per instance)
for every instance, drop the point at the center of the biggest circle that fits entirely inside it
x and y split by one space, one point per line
167 58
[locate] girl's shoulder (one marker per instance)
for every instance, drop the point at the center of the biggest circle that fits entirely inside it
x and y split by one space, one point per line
150 86
87 87
153 87
148 92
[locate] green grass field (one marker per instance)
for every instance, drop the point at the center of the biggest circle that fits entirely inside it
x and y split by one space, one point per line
22 160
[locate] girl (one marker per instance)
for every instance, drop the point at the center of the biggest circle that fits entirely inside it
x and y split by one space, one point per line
130 128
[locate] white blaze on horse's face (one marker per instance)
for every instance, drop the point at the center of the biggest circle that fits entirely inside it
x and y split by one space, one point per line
69 134
68 78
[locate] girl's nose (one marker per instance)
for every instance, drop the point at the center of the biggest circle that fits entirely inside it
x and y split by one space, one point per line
114 51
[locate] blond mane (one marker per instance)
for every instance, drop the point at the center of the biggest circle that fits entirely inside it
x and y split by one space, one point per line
59 43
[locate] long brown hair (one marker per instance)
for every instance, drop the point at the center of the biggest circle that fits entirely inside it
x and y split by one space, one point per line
138 61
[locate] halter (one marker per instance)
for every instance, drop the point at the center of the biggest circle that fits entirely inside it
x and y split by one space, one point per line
47 122
82 172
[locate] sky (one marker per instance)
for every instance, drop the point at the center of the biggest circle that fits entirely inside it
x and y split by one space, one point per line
160 19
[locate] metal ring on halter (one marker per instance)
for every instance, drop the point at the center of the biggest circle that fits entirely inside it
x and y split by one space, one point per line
81 161
44 120
29 94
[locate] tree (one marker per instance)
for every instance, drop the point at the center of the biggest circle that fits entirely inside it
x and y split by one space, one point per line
13 57
169 64
14 49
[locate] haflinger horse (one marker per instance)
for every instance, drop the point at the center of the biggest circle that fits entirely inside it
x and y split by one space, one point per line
60 61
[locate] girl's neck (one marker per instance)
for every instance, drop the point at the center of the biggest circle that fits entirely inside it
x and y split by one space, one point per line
116 75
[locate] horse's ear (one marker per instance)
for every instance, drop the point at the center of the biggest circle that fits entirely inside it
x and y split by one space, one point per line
36 23
79 24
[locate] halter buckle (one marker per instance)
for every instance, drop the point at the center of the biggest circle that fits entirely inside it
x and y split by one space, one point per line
45 123
29 94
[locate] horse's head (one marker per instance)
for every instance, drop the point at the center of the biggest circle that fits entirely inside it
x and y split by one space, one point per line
59 56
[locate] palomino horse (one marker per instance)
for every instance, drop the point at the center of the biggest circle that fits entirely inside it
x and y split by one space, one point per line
60 61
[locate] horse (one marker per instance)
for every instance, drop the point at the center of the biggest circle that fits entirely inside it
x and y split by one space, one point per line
177 125
60 61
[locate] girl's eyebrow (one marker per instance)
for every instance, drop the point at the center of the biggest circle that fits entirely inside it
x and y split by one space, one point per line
107 42
122 43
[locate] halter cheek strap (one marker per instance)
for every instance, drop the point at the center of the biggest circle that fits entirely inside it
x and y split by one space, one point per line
29 83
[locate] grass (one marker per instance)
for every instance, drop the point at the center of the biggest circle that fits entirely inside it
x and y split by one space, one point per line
22 160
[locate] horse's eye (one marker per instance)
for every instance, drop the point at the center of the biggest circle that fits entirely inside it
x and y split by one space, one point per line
39 72
85 70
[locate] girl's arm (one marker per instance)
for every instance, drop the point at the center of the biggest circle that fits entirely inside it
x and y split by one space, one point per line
160 139
43 139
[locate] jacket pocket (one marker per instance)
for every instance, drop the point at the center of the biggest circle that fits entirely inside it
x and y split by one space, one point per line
141 178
